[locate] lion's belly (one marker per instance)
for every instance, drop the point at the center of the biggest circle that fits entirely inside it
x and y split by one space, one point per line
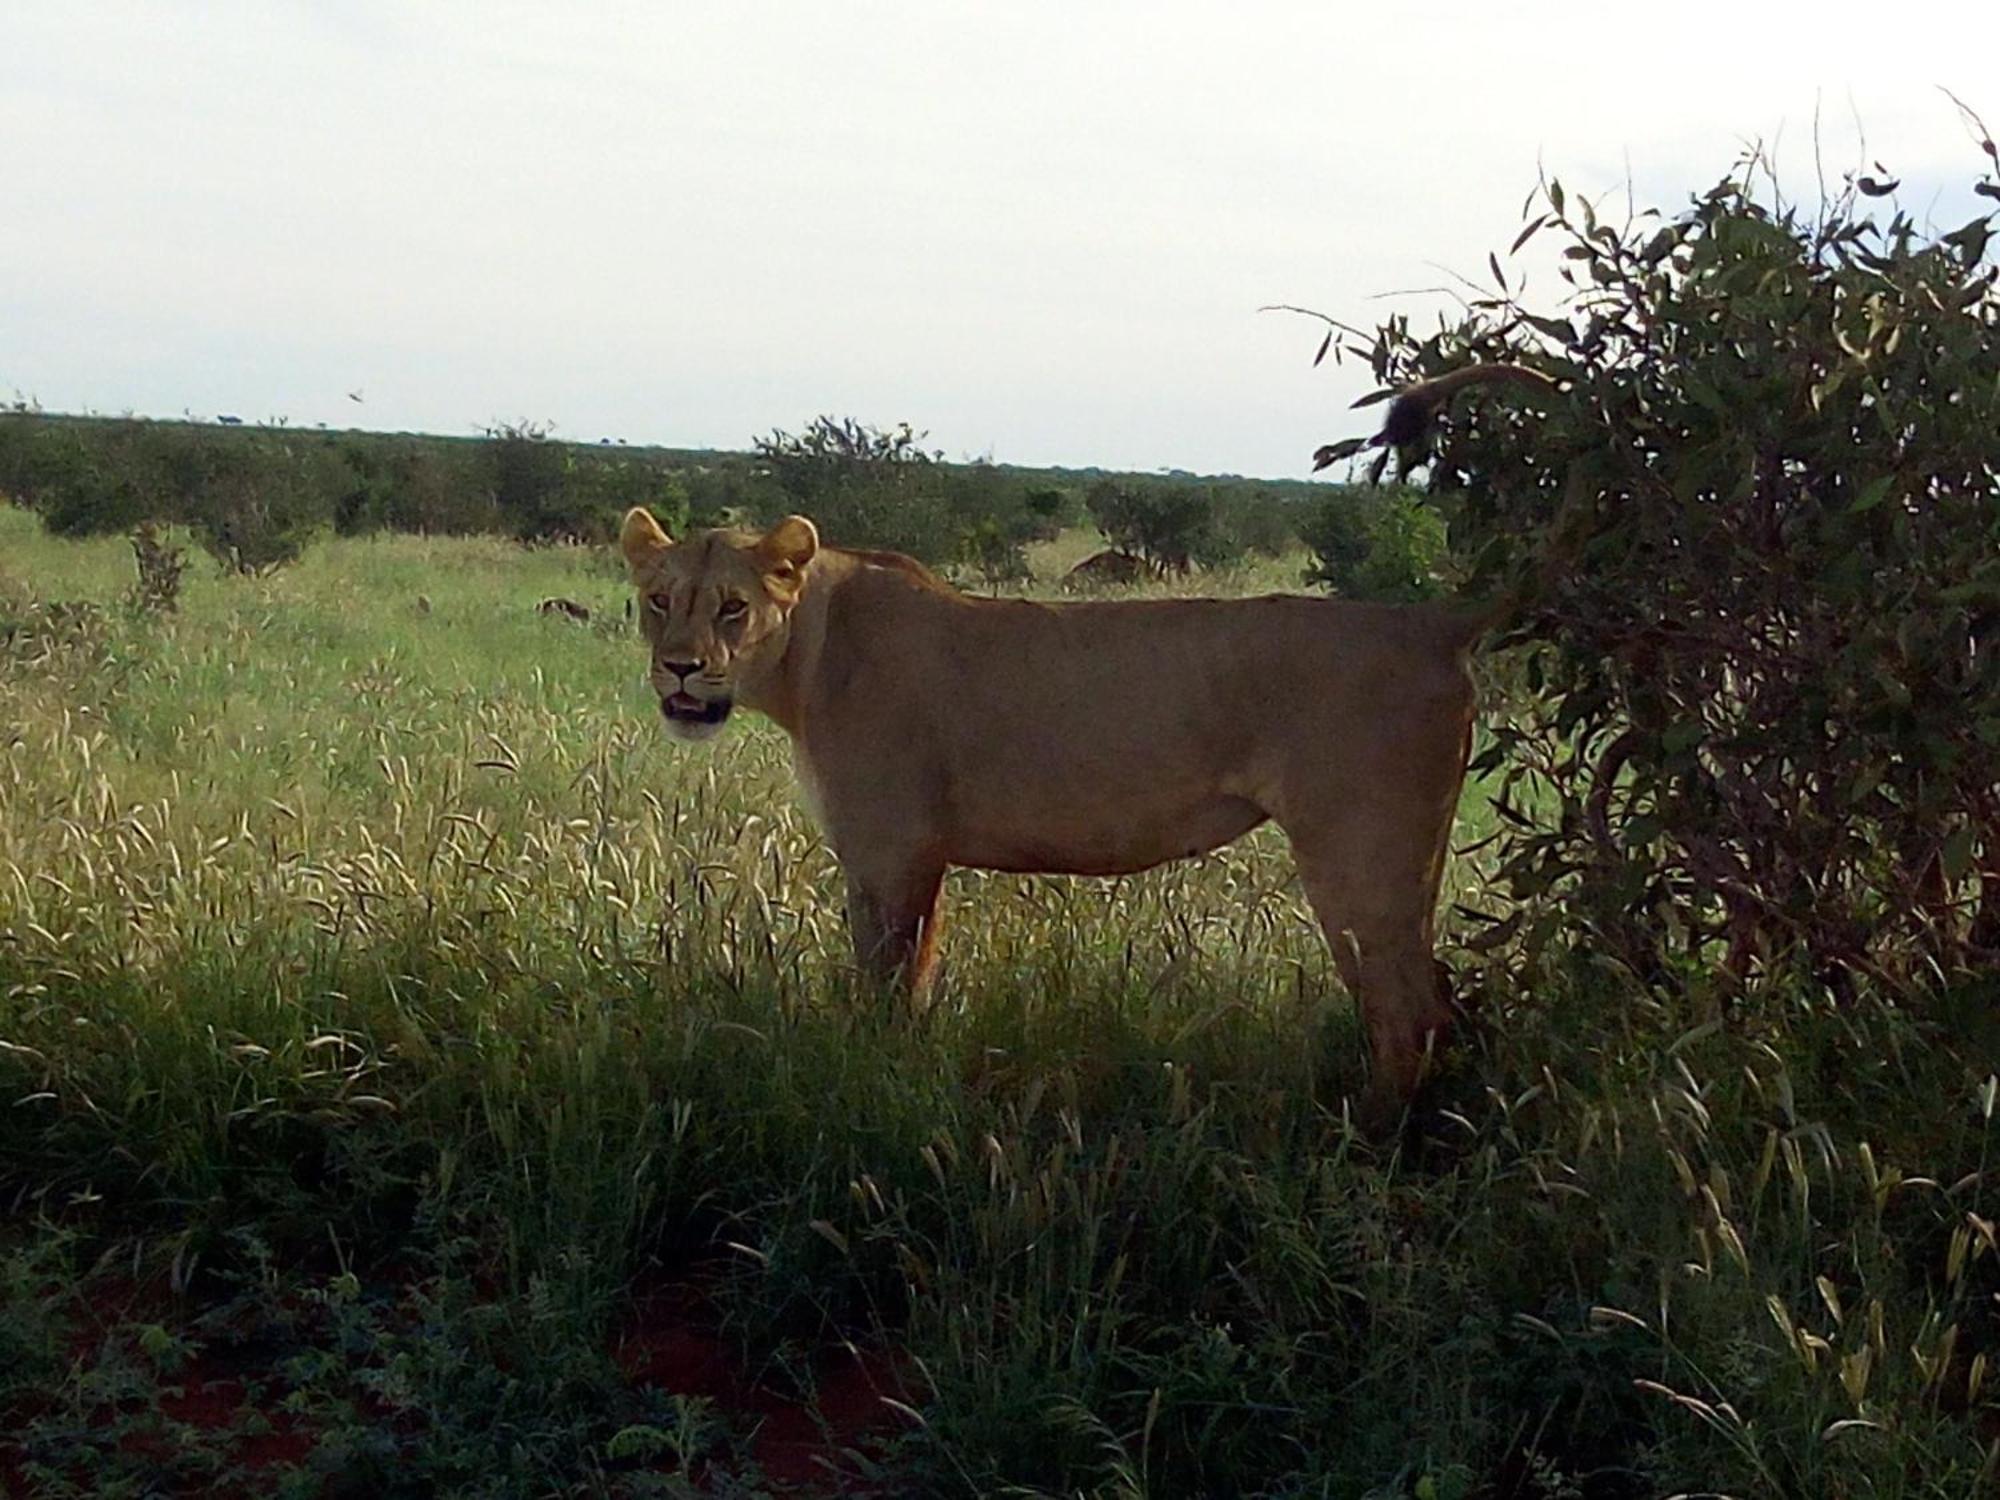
1114 838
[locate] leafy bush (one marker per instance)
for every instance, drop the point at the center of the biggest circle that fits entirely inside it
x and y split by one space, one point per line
544 491
435 488
1755 544
995 552
996 517
1175 527
1376 544
731 492
598 488
525 472
1050 510
1336 533
1258 520
80 483
254 500
866 486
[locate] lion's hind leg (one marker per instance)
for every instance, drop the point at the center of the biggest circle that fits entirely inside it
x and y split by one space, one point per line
1372 870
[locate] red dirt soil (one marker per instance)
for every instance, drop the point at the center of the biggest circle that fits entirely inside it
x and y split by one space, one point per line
213 1405
670 1340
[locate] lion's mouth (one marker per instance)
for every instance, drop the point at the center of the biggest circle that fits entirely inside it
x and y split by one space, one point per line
685 708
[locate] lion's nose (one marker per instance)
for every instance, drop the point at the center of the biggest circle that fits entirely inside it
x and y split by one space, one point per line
682 669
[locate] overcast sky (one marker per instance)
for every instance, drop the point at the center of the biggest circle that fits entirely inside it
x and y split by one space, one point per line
1041 231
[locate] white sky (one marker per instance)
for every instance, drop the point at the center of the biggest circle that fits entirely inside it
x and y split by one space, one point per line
1040 230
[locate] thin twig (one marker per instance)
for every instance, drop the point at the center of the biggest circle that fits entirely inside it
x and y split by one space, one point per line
1309 312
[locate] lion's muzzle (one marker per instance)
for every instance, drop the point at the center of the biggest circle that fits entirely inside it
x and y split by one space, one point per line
686 710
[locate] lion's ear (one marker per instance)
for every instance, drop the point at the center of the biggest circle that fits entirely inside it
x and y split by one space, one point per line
792 543
640 538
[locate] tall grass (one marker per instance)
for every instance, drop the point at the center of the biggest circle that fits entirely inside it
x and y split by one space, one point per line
378 980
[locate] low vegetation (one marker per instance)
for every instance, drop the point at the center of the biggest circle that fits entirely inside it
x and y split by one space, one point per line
372 1078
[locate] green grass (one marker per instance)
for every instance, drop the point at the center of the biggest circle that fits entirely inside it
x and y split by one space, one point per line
385 1006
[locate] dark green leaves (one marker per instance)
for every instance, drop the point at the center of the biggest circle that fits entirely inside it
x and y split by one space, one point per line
1872 494
1753 542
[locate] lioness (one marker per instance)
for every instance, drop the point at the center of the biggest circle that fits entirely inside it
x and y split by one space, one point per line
933 729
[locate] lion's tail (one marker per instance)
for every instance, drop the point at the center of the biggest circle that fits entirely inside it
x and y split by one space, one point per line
1409 421
1416 407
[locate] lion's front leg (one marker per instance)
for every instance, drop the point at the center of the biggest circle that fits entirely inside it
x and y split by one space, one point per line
892 916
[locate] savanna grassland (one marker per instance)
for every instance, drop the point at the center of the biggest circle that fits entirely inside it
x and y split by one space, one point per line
419 1077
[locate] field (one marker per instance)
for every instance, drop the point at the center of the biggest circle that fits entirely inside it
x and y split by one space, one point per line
418 1076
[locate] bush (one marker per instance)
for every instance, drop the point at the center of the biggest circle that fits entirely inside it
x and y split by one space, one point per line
438 489
866 486
524 470
82 483
996 517
995 552
1755 547
1050 510
1174 527
368 498
428 486
1258 520
254 500
731 492
598 488
1376 544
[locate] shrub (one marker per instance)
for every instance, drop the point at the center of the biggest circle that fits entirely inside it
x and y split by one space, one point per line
996 517
1374 544
524 471
82 482
995 552
731 492
866 486
440 489
254 500
1258 520
1049 510
1336 533
368 497
1755 546
598 489
251 497
1173 526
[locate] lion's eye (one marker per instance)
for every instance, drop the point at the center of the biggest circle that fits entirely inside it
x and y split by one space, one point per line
659 601
732 609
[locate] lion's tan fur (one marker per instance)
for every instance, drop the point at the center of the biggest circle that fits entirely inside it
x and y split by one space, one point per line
934 729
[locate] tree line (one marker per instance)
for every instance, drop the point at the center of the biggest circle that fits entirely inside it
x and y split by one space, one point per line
255 496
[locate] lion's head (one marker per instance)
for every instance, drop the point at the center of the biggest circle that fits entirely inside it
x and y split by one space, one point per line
715 608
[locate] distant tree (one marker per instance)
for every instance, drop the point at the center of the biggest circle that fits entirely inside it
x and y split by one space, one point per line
1049 510
1369 543
1173 526
1257 519
255 501
525 471
866 486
